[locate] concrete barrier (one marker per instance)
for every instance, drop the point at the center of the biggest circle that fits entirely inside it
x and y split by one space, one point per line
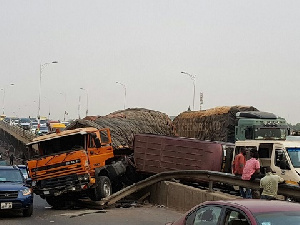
181 197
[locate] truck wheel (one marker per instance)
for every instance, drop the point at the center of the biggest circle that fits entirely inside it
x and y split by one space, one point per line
103 189
28 212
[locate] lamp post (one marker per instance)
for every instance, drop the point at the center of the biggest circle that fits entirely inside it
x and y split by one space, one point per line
87 101
123 85
3 89
193 77
42 67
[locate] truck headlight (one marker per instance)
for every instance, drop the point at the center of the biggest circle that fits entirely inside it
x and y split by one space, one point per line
26 191
84 177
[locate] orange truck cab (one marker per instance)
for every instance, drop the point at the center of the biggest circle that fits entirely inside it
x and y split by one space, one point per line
75 163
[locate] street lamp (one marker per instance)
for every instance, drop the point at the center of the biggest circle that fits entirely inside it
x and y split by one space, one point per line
193 77
79 106
124 93
87 101
42 67
3 89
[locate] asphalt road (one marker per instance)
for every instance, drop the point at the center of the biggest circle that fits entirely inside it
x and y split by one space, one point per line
44 214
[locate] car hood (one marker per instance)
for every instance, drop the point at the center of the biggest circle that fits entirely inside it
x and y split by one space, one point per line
11 186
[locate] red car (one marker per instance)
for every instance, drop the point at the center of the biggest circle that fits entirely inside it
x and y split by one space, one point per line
242 212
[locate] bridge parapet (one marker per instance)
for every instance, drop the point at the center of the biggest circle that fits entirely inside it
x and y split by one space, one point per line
19 133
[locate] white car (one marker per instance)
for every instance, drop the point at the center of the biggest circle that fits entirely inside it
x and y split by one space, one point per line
24 123
33 127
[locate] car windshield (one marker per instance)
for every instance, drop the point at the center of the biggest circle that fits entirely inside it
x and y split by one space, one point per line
43 121
24 120
278 218
294 154
10 175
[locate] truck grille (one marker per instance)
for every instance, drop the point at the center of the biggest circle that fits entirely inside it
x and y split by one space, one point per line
60 181
8 194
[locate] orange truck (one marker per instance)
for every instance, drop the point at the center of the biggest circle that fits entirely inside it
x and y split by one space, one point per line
75 163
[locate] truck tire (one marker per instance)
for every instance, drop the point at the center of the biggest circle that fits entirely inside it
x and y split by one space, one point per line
28 212
103 189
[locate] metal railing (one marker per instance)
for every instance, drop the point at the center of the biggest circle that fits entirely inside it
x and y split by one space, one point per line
291 191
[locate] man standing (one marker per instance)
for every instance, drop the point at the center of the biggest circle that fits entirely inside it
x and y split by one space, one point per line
251 168
269 185
11 159
238 166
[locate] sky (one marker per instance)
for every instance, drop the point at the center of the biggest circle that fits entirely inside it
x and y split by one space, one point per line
240 52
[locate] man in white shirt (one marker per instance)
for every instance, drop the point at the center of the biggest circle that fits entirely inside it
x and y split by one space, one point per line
269 185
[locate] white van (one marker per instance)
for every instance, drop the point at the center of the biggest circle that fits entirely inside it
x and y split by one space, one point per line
282 156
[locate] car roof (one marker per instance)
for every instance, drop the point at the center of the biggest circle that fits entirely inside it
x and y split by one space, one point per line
258 205
8 168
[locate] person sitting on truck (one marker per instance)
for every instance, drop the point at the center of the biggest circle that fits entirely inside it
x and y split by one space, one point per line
238 166
251 170
269 185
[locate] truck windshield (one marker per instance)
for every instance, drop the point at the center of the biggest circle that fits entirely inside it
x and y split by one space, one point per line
270 134
294 154
62 144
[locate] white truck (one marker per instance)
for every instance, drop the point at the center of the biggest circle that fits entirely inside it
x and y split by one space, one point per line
282 156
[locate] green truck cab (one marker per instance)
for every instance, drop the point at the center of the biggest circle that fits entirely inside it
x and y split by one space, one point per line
256 125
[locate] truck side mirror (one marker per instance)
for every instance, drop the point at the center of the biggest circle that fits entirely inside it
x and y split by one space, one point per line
97 142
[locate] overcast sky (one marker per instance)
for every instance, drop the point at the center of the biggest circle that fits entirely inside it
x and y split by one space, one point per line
241 52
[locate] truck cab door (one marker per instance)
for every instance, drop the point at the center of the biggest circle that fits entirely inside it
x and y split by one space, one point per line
98 150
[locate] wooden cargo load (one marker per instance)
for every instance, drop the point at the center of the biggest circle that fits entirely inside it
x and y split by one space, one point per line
124 124
156 154
216 124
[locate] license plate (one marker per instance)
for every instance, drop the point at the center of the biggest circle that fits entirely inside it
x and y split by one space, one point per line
46 192
6 205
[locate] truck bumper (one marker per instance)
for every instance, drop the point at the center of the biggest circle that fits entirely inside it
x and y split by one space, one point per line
61 185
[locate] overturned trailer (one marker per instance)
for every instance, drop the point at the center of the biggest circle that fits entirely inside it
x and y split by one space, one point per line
157 153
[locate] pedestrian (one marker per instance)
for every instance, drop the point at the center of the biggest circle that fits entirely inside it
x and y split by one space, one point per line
251 170
269 185
11 159
238 166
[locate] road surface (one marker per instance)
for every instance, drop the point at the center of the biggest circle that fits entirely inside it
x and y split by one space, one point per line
44 214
